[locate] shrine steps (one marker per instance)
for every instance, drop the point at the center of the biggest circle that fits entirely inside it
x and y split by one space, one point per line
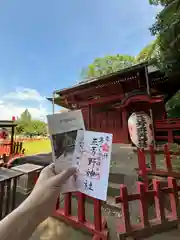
113 189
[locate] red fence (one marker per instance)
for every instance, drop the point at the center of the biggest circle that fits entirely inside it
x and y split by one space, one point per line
24 140
98 228
168 126
145 171
5 148
147 227
8 155
157 194
31 139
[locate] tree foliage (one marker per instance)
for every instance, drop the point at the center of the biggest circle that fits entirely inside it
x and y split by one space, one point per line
167 30
173 106
150 52
27 126
107 65
160 2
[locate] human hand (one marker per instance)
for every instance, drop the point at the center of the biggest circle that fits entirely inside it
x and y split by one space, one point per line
44 196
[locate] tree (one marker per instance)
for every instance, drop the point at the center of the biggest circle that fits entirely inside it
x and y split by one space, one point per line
160 2
40 128
150 52
110 64
25 116
167 30
106 65
27 126
173 106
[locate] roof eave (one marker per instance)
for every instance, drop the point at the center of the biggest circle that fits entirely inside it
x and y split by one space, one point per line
126 70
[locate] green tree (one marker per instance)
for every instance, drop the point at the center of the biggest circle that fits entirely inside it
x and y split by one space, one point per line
160 2
25 116
106 65
150 52
167 30
27 126
40 128
173 106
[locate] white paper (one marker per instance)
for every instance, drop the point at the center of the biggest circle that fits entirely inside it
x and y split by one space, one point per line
92 158
63 129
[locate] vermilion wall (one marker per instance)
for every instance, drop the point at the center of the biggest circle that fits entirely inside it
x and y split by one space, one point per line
110 122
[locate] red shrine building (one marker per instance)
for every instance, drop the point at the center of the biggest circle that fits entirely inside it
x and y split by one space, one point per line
108 101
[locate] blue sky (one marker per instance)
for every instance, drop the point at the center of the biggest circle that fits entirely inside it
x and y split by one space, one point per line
45 44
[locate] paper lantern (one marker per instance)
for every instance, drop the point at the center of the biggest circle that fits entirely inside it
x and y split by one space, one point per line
140 129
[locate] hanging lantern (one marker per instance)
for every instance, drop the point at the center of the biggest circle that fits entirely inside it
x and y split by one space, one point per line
140 129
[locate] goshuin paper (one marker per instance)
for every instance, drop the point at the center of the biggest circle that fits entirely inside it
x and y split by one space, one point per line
92 157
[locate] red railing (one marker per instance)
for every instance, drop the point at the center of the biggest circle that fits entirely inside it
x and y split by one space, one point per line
152 169
169 126
23 140
98 228
146 227
30 139
8 155
5 148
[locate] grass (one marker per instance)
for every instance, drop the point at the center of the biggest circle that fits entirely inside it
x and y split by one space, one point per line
35 147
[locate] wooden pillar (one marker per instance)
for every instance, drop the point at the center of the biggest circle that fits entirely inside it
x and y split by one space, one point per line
124 126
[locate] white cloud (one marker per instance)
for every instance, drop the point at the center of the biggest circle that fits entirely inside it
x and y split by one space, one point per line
9 106
24 94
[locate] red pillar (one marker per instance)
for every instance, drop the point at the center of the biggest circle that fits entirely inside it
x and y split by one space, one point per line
125 126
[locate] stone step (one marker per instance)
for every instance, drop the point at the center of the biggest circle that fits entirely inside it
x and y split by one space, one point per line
116 178
113 189
119 178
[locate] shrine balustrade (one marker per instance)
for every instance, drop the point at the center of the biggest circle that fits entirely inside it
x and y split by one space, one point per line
8 154
168 130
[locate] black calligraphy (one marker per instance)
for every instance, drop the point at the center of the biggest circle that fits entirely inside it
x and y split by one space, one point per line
88 185
97 155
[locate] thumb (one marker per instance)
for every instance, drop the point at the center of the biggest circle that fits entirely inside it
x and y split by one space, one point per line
61 178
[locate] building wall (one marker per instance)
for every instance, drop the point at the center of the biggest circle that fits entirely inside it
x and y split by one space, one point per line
110 122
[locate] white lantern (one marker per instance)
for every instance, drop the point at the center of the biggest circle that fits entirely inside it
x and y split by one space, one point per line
140 129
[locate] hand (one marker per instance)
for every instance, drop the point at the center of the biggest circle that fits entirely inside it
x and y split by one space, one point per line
44 196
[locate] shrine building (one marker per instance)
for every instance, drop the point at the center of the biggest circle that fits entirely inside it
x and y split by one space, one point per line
107 102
